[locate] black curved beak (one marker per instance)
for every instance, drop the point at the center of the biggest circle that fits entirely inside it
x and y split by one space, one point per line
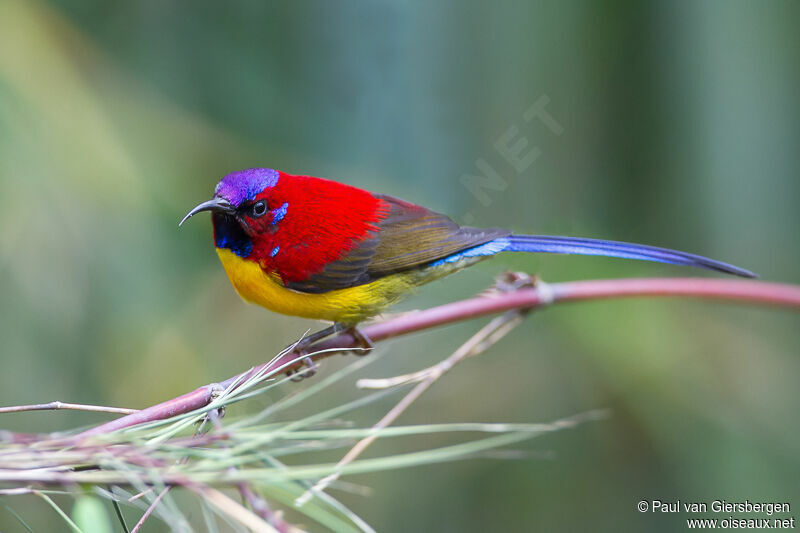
217 204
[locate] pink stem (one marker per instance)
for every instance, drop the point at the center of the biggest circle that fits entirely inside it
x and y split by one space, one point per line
753 292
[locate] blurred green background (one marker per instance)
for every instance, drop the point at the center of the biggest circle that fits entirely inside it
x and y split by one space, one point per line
679 126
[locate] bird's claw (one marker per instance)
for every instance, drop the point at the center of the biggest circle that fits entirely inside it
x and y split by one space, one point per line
511 281
362 341
508 281
302 373
216 414
309 368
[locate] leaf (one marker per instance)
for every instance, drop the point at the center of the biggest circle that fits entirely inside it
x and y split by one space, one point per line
89 514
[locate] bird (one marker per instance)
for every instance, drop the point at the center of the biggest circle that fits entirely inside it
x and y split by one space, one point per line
320 249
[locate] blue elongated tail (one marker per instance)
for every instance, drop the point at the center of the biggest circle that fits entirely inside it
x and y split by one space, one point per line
579 246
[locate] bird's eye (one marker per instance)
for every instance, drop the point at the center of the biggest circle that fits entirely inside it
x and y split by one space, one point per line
259 209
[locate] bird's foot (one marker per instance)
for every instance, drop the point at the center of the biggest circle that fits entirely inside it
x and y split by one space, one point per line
511 281
308 369
303 344
362 345
214 415
363 342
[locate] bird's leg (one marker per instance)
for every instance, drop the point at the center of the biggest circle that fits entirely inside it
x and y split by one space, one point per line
303 345
216 391
308 340
362 341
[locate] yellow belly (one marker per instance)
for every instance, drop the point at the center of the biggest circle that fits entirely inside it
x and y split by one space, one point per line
349 306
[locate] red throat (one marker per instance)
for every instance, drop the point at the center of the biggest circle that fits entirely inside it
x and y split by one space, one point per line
323 221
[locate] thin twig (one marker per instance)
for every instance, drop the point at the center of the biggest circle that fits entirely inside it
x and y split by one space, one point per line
58 510
150 510
262 509
504 327
488 335
257 503
56 406
140 495
118 511
233 509
752 292
163 493
22 491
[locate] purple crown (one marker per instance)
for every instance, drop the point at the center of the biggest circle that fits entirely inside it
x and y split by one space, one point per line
244 185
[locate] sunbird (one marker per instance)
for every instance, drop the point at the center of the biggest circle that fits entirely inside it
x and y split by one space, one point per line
320 249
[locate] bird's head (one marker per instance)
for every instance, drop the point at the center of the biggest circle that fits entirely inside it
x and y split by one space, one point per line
244 209
290 225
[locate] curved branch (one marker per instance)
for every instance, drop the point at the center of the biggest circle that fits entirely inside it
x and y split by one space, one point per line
751 292
56 406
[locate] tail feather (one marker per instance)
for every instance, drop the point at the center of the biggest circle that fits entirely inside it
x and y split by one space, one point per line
579 246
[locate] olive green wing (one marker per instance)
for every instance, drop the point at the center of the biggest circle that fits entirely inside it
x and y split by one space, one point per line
410 236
